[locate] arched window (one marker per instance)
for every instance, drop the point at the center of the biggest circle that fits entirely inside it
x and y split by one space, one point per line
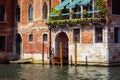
18 13
31 38
2 12
30 13
45 37
45 11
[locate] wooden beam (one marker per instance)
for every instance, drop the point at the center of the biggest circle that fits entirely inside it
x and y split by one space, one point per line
75 54
43 53
61 54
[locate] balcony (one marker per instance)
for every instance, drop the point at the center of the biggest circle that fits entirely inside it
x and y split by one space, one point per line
78 13
74 22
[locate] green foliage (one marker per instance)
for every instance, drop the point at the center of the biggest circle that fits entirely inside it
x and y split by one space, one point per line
72 21
54 11
84 12
71 12
101 5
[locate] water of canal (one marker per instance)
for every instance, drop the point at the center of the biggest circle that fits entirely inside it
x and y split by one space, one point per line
47 72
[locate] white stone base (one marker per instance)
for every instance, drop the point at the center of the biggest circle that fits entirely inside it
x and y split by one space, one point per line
36 58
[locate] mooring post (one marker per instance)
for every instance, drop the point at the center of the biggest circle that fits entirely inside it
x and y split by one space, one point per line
75 54
43 53
61 58
50 45
86 60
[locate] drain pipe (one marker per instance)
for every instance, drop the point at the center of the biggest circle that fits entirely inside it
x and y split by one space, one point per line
43 53
50 45
11 25
49 27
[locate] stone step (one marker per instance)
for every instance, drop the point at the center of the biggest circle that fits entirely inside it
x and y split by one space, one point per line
20 62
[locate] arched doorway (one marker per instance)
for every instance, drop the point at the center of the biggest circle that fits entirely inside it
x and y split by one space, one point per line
18 45
63 38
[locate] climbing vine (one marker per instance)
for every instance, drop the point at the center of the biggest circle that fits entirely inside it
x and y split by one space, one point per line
54 11
73 21
101 5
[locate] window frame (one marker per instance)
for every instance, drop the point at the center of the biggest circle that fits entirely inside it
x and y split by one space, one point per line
18 13
46 36
76 34
98 39
116 34
113 8
3 15
45 11
31 38
30 13
5 45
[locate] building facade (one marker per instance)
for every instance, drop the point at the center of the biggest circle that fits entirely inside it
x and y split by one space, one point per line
31 31
23 29
79 27
90 37
97 41
6 30
113 36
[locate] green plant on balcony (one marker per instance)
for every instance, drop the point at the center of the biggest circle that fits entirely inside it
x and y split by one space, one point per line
101 5
71 12
56 12
57 20
84 12
72 21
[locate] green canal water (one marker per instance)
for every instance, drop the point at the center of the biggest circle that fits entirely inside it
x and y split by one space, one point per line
47 72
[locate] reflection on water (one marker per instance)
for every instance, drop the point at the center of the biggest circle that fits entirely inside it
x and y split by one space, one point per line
47 72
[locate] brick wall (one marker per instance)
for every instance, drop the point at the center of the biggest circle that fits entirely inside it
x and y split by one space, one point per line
38 27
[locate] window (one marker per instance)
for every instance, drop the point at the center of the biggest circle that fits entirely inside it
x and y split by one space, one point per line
45 11
117 35
2 13
2 43
87 8
77 9
76 35
18 14
98 35
64 11
31 38
30 13
116 7
45 37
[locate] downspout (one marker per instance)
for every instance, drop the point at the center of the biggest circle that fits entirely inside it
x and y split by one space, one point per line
11 25
50 35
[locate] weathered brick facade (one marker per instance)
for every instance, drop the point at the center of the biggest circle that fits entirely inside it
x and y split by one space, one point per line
37 27
6 31
113 22
88 51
